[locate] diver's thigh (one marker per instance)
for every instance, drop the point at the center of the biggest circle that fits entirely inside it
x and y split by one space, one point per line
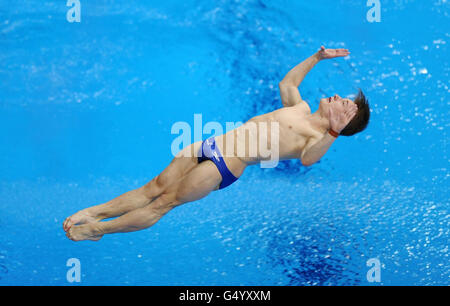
180 165
198 183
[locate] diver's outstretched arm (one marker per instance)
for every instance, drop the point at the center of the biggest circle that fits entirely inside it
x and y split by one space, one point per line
290 95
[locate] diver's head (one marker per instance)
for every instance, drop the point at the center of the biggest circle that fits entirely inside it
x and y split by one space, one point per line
359 121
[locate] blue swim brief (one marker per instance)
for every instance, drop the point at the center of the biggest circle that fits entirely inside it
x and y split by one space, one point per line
209 151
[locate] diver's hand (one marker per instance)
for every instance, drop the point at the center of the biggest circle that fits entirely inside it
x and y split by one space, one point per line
332 53
339 120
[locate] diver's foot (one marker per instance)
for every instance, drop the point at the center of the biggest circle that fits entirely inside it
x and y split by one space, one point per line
89 231
84 216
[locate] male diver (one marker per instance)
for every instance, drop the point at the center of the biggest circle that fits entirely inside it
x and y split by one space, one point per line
201 167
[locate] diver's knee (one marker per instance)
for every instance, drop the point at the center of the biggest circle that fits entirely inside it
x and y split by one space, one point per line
165 201
154 188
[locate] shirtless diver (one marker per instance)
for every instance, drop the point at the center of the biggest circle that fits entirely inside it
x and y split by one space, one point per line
201 167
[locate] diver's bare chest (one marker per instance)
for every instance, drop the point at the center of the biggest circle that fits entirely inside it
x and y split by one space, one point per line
295 122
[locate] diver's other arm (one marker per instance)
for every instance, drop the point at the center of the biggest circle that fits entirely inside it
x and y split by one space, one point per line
313 152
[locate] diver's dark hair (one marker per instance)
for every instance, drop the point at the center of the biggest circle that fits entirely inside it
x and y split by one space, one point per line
361 119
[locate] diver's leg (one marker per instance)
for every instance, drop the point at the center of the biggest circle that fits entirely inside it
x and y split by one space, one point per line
198 183
140 197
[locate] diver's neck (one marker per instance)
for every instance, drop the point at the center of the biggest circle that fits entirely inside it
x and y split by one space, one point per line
319 122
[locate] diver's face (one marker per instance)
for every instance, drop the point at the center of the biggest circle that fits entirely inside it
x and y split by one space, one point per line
336 102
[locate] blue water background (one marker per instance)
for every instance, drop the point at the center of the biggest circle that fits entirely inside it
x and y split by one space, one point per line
86 111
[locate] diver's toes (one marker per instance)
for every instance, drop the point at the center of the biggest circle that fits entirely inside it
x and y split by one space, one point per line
69 235
69 224
65 224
